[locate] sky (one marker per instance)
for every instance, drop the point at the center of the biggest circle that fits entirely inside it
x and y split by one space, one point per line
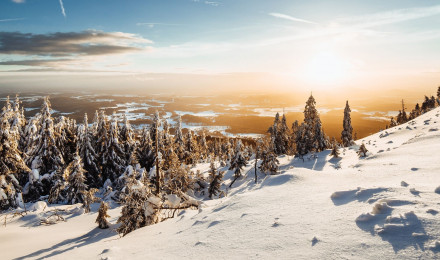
227 44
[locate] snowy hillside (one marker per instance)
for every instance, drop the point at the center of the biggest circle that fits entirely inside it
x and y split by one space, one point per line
383 206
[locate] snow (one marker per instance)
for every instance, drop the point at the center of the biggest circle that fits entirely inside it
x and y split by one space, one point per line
311 210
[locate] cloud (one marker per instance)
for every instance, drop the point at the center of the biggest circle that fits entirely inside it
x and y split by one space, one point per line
212 3
18 1
390 17
152 25
66 44
36 62
62 8
290 18
11 20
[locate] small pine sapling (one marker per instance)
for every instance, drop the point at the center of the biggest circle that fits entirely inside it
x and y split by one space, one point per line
362 152
214 186
89 198
102 215
335 151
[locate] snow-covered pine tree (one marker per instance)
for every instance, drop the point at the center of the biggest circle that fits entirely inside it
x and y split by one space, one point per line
321 141
347 132
393 122
113 157
269 161
89 198
362 152
12 166
145 150
141 208
274 132
191 151
88 154
335 151
179 142
203 146
216 181
237 162
46 156
17 120
126 137
178 180
300 141
284 137
102 216
66 138
76 181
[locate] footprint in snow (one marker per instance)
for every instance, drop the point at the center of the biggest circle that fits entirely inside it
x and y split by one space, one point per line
414 169
404 184
414 192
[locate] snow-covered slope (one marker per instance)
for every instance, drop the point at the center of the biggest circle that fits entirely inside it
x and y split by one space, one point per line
383 206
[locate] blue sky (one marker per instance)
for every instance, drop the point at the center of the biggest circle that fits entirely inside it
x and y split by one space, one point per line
297 42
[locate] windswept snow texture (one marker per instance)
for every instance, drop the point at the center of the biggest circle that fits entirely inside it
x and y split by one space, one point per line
383 206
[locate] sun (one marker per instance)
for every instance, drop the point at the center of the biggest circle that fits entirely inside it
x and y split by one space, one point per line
326 69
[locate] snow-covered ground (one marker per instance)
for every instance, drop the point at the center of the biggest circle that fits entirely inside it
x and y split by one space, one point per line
383 206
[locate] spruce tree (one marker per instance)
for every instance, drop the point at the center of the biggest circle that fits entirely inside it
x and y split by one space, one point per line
12 166
313 136
113 157
179 141
335 151
216 181
284 137
237 162
102 216
88 154
75 176
46 156
347 132
362 152
145 150
269 161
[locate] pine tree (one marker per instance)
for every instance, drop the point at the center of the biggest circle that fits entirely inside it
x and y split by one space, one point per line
179 141
362 152
238 162
191 152
313 136
284 134
393 122
102 216
145 150
46 156
300 140
88 154
126 137
269 161
75 176
216 181
12 166
335 151
140 209
274 132
113 158
438 92
347 132
89 198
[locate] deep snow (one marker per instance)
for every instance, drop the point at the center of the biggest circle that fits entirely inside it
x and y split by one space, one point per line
384 206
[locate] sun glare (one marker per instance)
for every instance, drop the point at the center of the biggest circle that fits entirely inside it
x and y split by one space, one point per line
326 69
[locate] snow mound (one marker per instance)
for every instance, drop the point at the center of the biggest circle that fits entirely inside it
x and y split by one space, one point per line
38 206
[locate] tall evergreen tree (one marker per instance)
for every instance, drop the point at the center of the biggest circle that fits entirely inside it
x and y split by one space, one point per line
113 157
12 166
145 150
237 162
46 156
347 132
269 161
88 154
76 179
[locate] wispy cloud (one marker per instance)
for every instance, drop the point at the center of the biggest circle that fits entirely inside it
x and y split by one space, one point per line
152 25
390 17
18 1
290 18
212 3
62 8
11 20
